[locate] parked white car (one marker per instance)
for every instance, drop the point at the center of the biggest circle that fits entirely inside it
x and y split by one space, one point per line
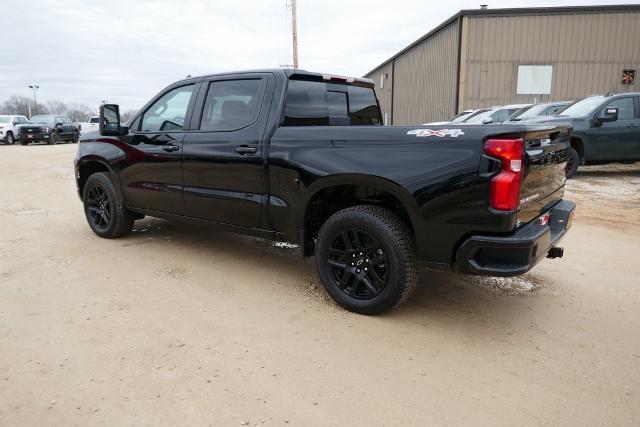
9 128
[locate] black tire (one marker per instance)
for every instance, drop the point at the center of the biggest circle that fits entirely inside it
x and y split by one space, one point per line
377 278
573 161
53 138
103 207
76 137
10 138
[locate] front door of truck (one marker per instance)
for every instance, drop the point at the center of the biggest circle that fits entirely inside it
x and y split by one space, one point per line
152 178
223 156
616 140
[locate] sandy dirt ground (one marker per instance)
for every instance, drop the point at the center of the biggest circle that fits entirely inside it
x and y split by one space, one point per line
180 325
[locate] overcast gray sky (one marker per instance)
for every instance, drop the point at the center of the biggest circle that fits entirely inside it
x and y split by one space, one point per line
125 51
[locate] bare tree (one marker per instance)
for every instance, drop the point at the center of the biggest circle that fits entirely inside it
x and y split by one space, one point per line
79 112
57 107
20 105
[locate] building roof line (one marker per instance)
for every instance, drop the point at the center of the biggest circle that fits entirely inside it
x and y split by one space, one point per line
561 10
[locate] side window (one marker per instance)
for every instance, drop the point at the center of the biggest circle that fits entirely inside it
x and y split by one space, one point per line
135 125
624 106
363 108
168 113
500 116
551 110
231 104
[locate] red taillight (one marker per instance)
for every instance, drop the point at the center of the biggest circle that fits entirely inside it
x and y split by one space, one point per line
505 187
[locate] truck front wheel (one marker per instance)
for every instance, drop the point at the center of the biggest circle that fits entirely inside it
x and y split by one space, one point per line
103 207
366 259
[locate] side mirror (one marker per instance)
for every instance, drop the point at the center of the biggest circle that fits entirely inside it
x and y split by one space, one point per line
109 124
487 120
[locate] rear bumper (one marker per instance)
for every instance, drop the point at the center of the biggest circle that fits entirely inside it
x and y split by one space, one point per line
518 253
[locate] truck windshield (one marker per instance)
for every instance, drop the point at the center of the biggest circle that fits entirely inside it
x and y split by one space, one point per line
583 108
312 103
461 116
466 119
533 111
4 119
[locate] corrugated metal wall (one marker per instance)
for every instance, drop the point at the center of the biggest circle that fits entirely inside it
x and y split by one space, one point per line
588 52
383 78
424 86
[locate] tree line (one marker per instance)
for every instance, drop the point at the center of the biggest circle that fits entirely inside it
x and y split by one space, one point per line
19 105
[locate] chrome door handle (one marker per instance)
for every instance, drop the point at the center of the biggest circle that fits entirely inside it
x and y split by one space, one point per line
245 149
170 147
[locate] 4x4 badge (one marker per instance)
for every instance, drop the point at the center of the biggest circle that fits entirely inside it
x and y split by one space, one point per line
440 133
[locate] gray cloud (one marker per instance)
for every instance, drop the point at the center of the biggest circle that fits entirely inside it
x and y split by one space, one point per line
126 51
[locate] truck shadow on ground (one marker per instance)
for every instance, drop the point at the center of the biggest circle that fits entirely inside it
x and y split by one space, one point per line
449 297
608 173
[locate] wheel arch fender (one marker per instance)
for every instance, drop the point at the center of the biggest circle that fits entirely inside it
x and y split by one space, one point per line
89 165
359 189
580 143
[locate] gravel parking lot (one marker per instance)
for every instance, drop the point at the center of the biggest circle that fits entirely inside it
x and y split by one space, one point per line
176 324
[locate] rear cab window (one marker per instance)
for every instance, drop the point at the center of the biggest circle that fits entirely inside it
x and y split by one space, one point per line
317 103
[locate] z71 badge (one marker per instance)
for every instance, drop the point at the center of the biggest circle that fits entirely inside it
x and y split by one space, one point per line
440 133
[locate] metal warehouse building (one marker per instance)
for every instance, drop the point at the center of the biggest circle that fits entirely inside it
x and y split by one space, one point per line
485 57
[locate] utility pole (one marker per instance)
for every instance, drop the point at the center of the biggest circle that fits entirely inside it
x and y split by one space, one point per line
294 30
35 87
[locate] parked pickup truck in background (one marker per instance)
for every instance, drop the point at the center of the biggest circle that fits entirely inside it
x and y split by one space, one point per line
302 157
606 128
50 129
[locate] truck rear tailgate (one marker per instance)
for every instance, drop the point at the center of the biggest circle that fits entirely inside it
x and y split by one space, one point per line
544 171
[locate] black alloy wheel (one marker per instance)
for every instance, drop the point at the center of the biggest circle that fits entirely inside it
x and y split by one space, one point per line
106 214
99 208
366 259
358 264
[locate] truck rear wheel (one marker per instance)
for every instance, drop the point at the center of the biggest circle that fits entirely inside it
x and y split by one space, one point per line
103 207
366 259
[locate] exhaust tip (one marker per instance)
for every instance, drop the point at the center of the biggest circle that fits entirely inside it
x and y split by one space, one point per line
555 252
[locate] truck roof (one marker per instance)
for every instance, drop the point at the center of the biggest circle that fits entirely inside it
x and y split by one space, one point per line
296 74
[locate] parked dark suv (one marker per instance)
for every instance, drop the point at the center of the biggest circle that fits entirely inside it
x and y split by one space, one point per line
606 128
49 129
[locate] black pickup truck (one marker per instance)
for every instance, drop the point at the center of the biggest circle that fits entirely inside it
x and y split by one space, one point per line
301 157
